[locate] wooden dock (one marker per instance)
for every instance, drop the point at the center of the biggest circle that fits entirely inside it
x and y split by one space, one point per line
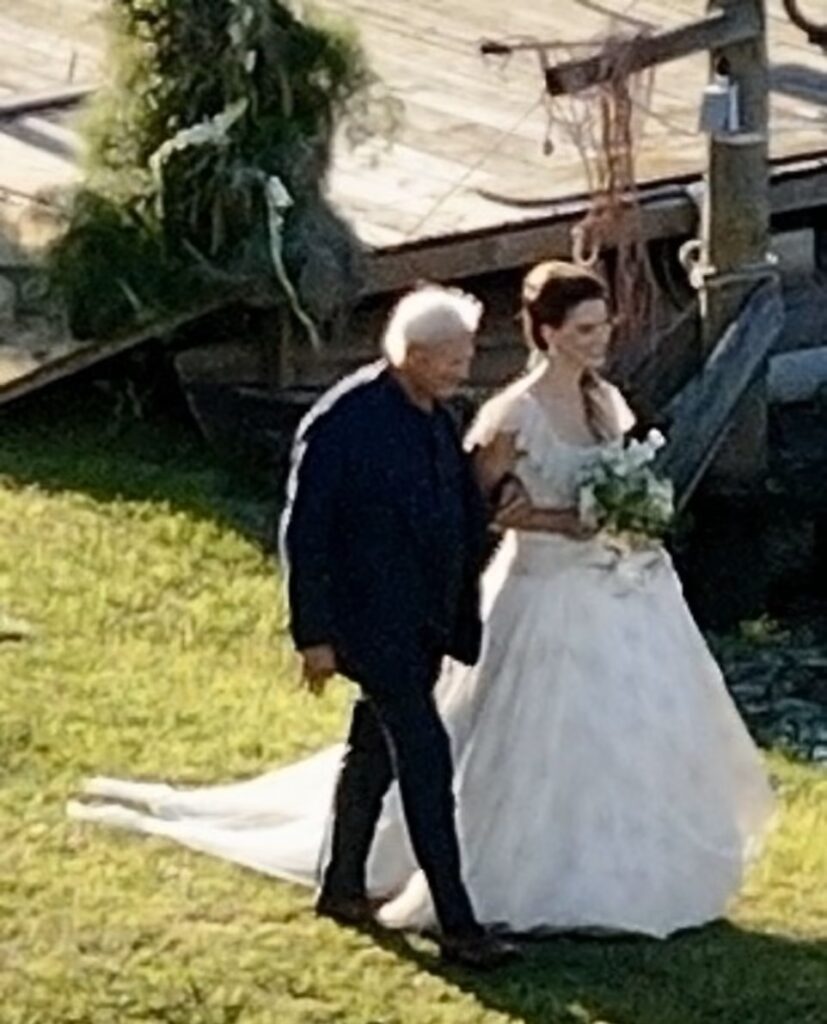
472 127
466 187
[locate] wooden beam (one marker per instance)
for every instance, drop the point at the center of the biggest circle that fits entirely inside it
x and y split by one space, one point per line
90 355
796 186
717 29
701 413
53 99
735 237
799 376
672 361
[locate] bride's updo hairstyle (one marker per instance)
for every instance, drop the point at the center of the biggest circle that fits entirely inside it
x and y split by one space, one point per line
551 291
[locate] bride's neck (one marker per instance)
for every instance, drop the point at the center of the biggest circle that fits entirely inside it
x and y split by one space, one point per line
560 376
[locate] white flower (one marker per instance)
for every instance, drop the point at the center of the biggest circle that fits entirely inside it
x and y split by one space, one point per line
656 439
621 492
587 506
640 454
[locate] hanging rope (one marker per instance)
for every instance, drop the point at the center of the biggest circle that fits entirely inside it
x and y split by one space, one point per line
604 124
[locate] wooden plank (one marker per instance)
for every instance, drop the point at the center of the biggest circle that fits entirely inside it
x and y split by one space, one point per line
735 238
97 352
460 110
661 373
34 57
778 23
668 211
798 376
48 99
715 30
702 411
797 185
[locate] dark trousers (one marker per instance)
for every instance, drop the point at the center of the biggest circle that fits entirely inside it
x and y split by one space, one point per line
400 733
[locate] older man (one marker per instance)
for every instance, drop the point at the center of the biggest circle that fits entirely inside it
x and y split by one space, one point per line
384 537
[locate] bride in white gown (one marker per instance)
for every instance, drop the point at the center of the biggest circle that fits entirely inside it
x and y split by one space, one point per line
604 779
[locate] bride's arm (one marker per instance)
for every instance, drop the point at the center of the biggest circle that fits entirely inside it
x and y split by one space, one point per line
563 521
494 465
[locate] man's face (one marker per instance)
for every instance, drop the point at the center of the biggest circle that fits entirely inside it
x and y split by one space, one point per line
440 368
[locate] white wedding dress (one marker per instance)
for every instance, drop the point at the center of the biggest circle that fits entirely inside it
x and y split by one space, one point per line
604 779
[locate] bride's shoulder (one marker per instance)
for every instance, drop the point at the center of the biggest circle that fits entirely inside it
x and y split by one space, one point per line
504 413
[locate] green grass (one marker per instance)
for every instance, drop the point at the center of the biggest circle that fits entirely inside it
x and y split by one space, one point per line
159 651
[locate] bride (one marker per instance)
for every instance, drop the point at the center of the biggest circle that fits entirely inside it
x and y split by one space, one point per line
604 779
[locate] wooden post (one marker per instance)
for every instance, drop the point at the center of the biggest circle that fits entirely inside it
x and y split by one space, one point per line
726 574
736 235
736 222
726 24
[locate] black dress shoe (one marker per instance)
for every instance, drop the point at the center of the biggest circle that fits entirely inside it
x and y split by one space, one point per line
346 909
480 952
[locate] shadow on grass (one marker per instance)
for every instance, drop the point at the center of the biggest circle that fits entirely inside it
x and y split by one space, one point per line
114 439
86 439
720 974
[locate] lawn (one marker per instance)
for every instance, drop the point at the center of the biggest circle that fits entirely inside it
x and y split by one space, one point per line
157 649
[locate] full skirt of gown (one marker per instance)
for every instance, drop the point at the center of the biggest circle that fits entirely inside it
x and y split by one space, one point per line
604 779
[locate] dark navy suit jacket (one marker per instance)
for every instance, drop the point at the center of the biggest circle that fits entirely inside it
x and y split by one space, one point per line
384 535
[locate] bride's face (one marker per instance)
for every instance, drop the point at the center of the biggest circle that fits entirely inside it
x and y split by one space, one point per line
584 335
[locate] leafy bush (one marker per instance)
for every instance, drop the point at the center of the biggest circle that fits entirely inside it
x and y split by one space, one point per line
209 101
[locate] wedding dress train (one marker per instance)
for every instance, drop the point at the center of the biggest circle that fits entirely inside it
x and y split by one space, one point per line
604 778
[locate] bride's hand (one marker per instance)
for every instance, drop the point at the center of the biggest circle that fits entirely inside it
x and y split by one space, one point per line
570 525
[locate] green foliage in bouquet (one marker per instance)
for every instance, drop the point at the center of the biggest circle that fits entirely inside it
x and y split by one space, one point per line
621 494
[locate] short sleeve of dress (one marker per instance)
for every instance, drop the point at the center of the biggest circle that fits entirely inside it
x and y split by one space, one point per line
502 414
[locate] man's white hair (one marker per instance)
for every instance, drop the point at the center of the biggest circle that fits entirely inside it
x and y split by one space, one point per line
431 315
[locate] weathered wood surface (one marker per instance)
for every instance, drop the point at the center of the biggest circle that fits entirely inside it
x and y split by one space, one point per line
668 211
700 413
38 373
20 104
720 28
469 125
798 376
503 357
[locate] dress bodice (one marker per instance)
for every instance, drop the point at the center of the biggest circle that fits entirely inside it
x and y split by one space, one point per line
548 466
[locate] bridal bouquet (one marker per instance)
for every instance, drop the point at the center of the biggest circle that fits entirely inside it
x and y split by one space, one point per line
623 498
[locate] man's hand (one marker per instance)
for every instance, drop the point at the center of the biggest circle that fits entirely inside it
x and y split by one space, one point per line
318 665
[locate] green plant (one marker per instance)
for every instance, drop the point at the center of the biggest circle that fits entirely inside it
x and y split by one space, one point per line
214 107
158 651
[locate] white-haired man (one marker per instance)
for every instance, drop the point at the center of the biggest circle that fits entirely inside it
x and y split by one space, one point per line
384 538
